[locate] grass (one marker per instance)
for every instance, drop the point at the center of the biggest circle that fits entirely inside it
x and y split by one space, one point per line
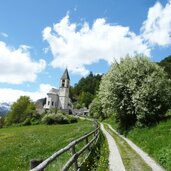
18 145
104 154
112 122
98 158
132 161
156 141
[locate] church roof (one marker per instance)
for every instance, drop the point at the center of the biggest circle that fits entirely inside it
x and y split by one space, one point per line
65 75
53 91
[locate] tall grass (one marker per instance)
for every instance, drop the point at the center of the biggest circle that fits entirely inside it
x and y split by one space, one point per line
18 145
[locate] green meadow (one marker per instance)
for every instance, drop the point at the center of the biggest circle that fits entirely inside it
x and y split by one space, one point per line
18 145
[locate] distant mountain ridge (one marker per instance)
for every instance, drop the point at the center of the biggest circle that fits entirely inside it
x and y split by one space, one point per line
4 108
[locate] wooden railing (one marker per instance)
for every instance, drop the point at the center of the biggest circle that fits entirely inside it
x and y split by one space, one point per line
70 146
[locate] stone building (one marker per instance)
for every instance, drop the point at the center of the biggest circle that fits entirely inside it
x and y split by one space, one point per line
59 98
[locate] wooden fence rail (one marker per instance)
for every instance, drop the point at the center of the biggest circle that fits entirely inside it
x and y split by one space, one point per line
75 155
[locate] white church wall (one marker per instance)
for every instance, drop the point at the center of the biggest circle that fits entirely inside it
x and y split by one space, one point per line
52 101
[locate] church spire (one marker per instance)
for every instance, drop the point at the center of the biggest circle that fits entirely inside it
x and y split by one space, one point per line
65 75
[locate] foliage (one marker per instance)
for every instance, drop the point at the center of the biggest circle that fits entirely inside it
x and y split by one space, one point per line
19 145
98 158
83 93
136 90
50 119
96 109
112 121
85 98
20 110
58 118
72 119
166 64
27 122
156 141
1 121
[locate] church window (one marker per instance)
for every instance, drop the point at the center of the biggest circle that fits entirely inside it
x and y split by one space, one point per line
63 83
52 103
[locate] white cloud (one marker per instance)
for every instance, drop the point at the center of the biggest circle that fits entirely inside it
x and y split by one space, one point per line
157 28
4 34
16 65
11 95
76 48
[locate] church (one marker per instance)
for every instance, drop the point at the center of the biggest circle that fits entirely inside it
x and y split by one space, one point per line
59 98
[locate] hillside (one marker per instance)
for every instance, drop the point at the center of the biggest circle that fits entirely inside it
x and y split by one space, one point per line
156 141
84 91
21 144
166 64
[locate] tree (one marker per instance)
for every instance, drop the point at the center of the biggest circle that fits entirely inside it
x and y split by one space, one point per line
84 92
20 110
1 121
96 109
85 99
166 64
136 90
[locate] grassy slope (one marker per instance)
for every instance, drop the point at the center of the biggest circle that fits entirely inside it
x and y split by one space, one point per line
18 145
156 141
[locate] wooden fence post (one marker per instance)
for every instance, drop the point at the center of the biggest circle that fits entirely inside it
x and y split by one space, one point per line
73 153
86 140
34 163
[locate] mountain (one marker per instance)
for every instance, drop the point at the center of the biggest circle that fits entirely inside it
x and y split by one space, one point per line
4 108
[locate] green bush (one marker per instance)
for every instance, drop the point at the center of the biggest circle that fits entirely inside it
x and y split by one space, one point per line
55 119
72 119
27 122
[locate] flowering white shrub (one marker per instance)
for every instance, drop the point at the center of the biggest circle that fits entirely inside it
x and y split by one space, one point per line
136 90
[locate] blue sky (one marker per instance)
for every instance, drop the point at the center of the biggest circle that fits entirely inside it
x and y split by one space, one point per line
39 39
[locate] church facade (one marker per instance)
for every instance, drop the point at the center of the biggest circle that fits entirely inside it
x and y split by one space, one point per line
59 98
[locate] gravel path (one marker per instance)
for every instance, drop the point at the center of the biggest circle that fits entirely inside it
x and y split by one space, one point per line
115 161
143 155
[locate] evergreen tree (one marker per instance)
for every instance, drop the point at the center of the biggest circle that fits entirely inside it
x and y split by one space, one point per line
83 93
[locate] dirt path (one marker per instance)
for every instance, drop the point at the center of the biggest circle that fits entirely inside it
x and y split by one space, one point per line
115 160
151 163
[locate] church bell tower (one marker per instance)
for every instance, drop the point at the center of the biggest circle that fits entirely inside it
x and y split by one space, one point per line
64 90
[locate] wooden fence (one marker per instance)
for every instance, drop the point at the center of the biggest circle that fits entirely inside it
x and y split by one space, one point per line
41 165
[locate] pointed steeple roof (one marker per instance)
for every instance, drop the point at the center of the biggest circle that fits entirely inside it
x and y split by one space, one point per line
65 75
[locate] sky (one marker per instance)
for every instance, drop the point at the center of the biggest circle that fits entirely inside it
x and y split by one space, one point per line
39 39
